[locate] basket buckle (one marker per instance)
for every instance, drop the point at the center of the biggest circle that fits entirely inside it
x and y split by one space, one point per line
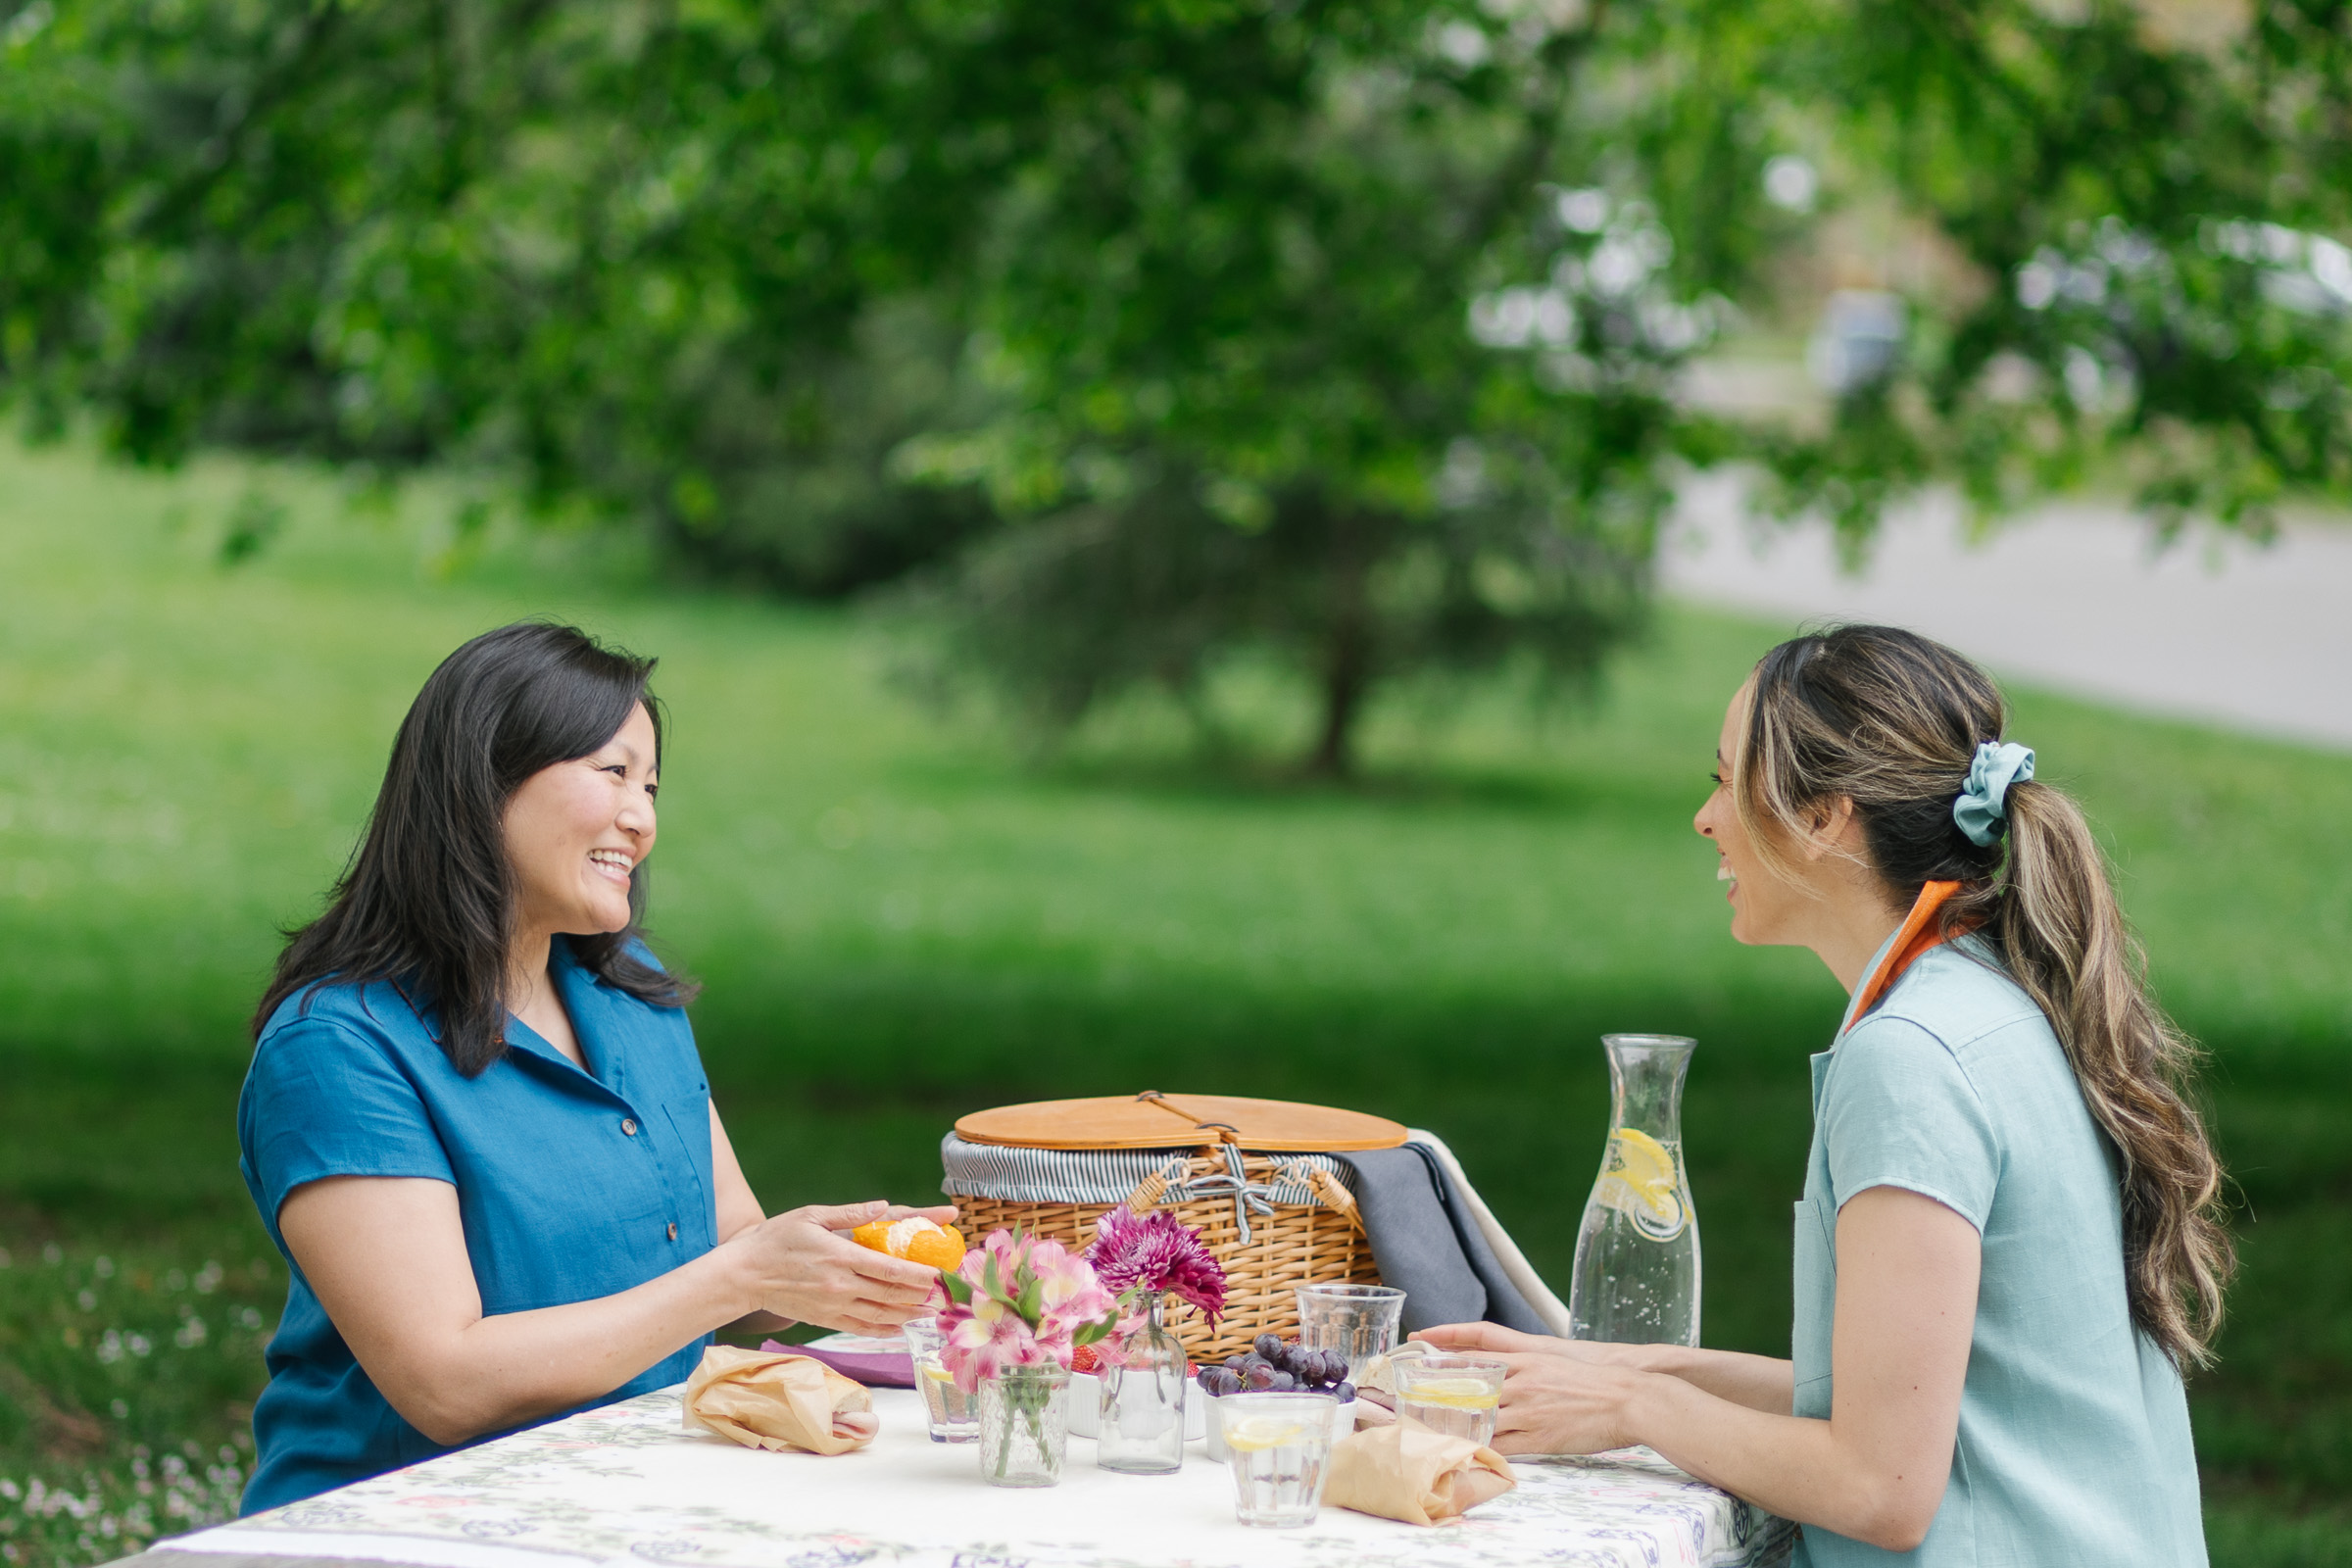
1247 1195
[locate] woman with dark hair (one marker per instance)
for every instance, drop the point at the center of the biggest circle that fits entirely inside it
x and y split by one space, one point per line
2009 1245
476 1123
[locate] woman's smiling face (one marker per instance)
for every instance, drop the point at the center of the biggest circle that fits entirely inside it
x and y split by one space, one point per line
575 830
1759 900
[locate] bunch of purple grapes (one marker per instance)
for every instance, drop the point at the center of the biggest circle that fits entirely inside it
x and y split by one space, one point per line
1276 1365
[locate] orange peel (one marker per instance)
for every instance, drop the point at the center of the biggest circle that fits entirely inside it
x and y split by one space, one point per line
916 1240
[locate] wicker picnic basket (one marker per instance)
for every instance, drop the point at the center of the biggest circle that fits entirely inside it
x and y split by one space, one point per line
1255 1177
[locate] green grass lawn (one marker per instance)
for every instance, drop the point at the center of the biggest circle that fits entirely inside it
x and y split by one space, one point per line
900 917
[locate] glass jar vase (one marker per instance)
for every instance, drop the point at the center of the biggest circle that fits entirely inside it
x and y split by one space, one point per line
1024 1426
1141 1432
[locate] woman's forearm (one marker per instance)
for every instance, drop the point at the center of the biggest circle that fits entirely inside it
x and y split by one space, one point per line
1878 1467
505 1370
1791 1467
1758 1382
387 1258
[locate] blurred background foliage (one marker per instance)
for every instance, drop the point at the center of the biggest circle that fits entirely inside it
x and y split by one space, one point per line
1352 335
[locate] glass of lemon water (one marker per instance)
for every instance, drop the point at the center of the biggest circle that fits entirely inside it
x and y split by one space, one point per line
1279 1446
1454 1395
950 1411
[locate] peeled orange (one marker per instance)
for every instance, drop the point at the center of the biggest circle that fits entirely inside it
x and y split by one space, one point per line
917 1240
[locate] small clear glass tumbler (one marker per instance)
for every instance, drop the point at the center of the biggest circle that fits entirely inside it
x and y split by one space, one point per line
947 1407
1359 1321
1279 1446
1024 1426
1452 1395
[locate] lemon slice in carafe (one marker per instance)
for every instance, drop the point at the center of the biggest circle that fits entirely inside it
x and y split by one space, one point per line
1643 1184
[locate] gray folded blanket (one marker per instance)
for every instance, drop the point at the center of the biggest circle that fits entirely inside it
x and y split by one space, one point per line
1428 1244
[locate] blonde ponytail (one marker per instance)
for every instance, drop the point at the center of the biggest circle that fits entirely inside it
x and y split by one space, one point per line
1891 722
2063 938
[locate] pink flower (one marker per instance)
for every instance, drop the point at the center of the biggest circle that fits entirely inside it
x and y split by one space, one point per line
980 1340
1156 1254
1071 1288
1019 1301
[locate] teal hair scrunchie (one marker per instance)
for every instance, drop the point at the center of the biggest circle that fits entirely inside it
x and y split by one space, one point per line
1982 811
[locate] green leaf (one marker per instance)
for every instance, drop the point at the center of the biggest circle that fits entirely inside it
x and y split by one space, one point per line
992 1282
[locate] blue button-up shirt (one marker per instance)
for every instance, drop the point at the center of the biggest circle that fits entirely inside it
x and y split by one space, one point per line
570 1185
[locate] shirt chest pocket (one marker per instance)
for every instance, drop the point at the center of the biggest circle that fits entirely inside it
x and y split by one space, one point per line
563 1208
1814 1276
688 1168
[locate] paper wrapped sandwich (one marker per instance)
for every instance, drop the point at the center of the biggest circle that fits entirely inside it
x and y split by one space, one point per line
770 1400
1410 1473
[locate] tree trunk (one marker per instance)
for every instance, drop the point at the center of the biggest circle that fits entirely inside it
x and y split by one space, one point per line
1346 654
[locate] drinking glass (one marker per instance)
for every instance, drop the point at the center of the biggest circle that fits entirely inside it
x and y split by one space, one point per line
947 1407
1279 1446
1359 1321
1452 1395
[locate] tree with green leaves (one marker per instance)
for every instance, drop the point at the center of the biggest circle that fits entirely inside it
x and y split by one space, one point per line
1303 356
1350 336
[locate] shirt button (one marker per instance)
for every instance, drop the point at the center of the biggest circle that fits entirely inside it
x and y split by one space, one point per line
628 1126
673 1230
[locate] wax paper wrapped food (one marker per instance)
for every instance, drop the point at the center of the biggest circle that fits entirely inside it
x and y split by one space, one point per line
769 1400
1406 1472
1258 1181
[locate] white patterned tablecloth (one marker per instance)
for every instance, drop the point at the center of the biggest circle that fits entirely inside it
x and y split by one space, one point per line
627 1484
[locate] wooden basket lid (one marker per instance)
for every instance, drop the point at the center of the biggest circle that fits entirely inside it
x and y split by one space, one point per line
1154 1121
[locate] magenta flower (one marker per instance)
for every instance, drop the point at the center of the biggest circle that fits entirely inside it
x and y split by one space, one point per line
1156 1254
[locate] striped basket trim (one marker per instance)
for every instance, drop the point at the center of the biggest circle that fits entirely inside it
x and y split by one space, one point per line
1096 1176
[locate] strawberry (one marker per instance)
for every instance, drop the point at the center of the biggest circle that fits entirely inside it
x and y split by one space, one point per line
1084 1359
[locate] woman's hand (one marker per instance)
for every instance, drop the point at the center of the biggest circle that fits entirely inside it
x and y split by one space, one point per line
1555 1403
1560 1395
803 1265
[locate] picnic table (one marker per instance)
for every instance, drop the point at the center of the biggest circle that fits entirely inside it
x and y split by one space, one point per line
627 1484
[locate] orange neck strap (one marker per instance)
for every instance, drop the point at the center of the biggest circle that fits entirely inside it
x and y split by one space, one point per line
1921 931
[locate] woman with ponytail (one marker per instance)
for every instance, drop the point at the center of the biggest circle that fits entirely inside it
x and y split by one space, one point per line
2009 1246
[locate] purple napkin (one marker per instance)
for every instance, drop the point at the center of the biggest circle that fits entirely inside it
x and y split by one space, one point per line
876 1369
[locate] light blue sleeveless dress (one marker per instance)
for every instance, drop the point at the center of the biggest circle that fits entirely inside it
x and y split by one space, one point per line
2073 1441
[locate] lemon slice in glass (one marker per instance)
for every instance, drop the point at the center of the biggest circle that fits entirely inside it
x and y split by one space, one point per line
1253 1433
939 1374
1454 1394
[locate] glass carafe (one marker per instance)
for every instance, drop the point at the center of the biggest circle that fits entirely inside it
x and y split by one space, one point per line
1636 1251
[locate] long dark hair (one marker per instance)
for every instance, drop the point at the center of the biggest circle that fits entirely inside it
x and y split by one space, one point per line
1890 721
428 902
